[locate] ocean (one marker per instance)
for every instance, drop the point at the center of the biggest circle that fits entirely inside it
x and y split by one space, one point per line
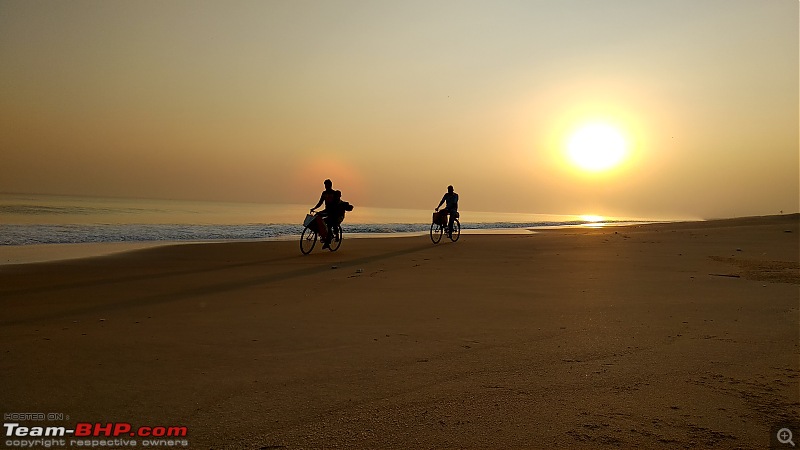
27 219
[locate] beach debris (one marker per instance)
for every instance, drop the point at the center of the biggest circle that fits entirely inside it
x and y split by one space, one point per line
729 275
334 267
359 270
787 231
738 249
102 320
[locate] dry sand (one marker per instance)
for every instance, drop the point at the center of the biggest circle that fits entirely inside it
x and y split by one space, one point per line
656 336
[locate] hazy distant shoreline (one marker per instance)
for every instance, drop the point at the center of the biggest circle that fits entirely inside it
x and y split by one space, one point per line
44 252
27 219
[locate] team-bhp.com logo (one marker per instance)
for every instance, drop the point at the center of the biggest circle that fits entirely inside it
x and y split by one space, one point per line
86 434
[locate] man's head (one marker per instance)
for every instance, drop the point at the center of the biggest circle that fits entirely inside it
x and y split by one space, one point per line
328 184
450 189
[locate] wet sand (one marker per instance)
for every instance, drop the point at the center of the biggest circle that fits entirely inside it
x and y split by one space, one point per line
651 336
36 253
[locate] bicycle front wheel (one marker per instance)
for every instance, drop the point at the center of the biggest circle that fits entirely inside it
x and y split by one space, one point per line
336 239
307 240
456 231
436 233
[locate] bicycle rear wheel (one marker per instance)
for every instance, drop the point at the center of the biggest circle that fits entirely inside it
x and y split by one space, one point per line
336 239
456 230
307 240
436 233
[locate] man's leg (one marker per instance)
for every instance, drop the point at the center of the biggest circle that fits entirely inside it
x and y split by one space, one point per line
324 232
450 223
329 225
321 226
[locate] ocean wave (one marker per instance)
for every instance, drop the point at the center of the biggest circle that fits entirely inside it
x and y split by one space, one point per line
46 210
63 234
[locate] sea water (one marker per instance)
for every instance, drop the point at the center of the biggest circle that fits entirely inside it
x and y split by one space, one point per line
49 219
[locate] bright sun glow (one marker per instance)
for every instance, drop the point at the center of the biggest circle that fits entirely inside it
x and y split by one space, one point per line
597 147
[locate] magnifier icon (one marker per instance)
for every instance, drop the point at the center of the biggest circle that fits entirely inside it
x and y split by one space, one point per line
785 436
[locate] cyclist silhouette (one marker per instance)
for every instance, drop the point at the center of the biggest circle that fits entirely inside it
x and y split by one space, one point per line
450 200
330 214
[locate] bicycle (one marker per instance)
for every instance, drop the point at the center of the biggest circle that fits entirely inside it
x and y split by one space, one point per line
309 236
439 225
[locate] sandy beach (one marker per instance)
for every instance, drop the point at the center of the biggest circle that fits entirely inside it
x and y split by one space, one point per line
677 335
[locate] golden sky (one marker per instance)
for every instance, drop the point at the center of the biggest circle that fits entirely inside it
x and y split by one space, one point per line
394 100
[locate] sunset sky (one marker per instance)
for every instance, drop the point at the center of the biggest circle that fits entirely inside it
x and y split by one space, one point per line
260 101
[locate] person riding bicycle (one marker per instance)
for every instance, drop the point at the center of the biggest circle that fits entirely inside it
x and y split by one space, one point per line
450 199
331 213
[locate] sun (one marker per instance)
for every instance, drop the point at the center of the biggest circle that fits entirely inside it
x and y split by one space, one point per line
597 147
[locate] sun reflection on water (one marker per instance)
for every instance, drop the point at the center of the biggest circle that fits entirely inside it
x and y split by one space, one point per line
593 221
